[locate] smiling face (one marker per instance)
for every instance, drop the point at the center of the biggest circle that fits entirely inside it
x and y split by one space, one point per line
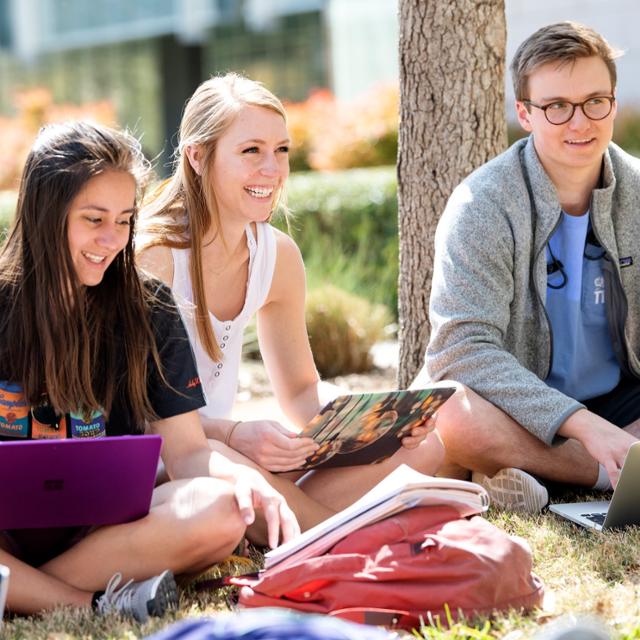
578 145
250 165
99 224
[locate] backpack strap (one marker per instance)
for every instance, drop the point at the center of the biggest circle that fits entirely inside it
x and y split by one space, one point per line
391 618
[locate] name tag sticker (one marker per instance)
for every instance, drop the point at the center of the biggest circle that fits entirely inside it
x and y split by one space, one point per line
626 262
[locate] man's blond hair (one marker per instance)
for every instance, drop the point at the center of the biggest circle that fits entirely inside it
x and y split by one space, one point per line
563 43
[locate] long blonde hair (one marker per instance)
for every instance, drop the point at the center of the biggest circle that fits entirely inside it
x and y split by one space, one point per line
183 209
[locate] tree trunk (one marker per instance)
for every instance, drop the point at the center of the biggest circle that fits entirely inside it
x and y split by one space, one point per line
451 121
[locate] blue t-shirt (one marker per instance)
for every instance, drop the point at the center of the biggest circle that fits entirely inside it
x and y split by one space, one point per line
584 364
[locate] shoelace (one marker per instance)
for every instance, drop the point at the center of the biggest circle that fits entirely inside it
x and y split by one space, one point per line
114 598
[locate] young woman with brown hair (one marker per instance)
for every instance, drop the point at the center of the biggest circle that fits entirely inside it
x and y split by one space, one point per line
85 341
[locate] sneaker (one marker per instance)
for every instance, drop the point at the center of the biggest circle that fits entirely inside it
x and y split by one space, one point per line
139 600
514 489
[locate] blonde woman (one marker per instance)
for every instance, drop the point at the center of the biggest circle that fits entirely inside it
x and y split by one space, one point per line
207 235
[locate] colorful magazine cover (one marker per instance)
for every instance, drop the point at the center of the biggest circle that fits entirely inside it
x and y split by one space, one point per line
368 427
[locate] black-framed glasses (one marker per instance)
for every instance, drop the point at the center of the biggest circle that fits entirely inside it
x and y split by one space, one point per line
561 111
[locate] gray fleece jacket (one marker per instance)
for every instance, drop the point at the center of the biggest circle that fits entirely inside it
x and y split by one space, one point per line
490 329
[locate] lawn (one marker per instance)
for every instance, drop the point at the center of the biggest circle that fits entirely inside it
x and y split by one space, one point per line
584 573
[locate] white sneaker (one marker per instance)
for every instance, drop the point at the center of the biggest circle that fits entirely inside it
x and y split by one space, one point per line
514 489
139 600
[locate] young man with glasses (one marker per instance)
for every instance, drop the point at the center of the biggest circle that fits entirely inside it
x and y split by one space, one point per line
535 304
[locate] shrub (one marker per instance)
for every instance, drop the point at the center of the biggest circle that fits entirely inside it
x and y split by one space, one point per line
307 121
346 225
329 134
8 200
626 132
363 134
342 329
35 108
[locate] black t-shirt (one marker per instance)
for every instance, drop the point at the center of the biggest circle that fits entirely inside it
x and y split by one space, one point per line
183 392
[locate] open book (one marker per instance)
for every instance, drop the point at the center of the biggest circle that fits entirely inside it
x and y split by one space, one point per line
365 428
404 488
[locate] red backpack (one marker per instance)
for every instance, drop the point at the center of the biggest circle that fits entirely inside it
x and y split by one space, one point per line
400 569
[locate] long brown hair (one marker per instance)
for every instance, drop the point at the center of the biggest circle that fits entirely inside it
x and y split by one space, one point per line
183 209
59 337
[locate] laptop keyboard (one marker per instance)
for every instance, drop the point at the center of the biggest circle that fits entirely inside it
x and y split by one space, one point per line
598 518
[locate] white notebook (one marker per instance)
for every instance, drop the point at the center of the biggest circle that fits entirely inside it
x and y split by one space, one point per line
404 488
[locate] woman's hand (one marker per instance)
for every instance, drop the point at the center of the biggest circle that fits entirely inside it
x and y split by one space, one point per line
270 445
254 492
419 432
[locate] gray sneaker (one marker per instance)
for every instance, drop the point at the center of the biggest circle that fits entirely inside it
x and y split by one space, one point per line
139 600
514 489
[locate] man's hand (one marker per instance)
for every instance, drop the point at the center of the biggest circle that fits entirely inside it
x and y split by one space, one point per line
254 492
605 442
272 446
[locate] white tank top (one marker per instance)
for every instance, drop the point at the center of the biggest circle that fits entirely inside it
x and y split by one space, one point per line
220 379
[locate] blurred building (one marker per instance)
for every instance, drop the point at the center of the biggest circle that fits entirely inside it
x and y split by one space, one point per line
147 56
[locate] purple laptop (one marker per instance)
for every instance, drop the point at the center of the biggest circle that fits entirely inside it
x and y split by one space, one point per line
92 481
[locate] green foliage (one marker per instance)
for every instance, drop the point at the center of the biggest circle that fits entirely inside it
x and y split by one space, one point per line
346 225
7 208
433 628
626 132
330 134
342 329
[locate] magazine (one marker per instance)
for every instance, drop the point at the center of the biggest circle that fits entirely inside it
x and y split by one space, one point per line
366 428
404 488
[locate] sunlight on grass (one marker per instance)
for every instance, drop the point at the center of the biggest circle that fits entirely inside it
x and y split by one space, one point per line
584 574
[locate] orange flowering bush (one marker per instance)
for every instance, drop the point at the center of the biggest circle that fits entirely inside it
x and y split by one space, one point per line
328 134
35 108
307 122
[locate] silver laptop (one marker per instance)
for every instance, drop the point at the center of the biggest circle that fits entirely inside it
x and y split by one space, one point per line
621 511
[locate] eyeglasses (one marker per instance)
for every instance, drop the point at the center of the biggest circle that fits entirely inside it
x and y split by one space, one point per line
560 112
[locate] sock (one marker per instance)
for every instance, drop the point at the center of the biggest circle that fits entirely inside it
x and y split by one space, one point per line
94 599
602 483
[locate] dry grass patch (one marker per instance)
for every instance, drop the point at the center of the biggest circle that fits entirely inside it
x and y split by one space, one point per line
584 573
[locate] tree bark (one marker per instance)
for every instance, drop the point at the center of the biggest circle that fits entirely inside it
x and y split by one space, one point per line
452 58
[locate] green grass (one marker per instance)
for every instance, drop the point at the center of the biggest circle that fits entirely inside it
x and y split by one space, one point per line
583 572
346 225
